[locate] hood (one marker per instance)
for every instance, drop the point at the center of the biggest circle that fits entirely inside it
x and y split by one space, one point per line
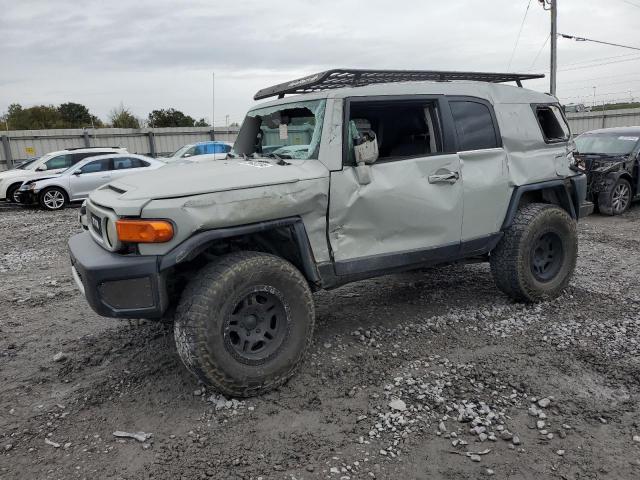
600 162
208 177
15 174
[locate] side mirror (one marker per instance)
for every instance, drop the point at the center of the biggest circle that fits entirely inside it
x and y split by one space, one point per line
41 168
186 155
77 173
366 152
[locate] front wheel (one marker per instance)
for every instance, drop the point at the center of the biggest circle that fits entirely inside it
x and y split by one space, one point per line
617 199
244 323
11 193
53 198
537 255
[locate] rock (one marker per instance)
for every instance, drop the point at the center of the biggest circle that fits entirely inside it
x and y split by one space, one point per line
442 427
8 447
550 436
603 420
334 470
397 404
544 402
310 468
383 452
636 438
506 435
60 357
53 444
515 440
560 452
475 458
197 393
540 424
483 437
139 436
489 472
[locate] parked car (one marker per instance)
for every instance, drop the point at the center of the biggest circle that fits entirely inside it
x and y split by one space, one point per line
611 159
75 183
52 163
201 151
397 175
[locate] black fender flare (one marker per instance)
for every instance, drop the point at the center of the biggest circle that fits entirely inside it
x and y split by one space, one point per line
197 243
571 193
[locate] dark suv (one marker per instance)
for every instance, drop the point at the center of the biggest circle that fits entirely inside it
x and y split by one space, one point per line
611 159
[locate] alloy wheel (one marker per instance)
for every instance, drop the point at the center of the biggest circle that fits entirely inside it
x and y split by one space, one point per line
53 199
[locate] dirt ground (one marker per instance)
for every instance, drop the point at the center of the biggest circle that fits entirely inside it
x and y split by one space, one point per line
425 375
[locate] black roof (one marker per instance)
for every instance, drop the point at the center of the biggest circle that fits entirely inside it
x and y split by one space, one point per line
338 78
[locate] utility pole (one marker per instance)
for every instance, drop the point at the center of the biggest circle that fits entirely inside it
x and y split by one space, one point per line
554 45
213 104
552 5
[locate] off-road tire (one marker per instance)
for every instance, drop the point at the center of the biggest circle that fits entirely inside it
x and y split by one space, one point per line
208 302
49 205
512 261
11 191
606 203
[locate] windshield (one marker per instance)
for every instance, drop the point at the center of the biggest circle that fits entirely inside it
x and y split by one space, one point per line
37 162
290 131
607 143
24 165
181 151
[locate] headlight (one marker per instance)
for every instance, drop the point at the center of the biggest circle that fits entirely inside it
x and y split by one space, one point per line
576 164
32 186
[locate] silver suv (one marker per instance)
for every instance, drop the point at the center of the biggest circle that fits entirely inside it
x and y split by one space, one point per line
363 174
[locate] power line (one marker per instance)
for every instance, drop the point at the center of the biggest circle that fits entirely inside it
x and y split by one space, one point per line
630 3
539 52
518 37
584 39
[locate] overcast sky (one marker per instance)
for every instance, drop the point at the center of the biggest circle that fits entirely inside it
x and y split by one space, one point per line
151 54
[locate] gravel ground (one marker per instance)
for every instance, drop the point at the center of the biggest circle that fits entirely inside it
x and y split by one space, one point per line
430 374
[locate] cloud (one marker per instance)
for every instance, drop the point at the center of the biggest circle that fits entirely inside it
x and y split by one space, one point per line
150 54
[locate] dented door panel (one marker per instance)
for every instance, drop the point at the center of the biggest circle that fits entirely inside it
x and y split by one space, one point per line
399 211
487 191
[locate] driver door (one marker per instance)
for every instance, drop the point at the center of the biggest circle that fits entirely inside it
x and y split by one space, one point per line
411 211
89 177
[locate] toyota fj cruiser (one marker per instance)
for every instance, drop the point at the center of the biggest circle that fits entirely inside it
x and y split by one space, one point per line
398 170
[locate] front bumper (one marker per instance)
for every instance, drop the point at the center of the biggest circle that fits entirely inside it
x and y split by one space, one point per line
26 197
115 285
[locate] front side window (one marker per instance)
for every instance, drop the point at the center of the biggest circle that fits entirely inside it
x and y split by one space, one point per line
474 125
552 123
402 128
60 161
290 131
97 166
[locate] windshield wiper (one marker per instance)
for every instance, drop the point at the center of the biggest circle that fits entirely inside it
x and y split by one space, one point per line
277 157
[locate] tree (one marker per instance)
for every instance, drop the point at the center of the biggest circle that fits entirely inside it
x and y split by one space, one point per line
201 123
121 117
75 115
170 117
67 115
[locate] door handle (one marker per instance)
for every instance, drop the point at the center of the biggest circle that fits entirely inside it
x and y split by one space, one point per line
106 176
449 177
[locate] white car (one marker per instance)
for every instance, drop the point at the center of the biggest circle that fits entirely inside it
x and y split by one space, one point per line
54 162
200 152
75 183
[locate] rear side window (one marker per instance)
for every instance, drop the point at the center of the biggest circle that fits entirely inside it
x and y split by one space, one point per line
552 123
474 125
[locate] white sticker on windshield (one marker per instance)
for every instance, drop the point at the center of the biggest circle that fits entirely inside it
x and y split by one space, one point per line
257 164
631 139
284 131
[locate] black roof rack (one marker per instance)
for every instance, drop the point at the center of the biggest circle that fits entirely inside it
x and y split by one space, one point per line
338 78
88 148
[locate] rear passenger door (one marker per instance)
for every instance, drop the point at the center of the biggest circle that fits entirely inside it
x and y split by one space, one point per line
484 168
411 211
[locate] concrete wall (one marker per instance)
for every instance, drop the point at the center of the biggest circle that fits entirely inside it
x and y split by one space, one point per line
19 145
585 121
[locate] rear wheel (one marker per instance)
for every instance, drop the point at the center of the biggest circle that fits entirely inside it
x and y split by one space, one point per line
53 198
244 322
11 192
537 255
617 199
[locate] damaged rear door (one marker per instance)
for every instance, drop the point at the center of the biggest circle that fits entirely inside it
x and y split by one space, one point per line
411 211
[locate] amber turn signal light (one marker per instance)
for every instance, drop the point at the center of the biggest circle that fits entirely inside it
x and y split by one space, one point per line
144 231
